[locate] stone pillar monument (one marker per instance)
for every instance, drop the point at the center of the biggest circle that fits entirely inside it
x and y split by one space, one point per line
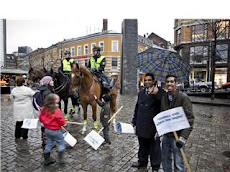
129 57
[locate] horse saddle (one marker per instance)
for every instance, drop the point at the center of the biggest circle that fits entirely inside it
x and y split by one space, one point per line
106 82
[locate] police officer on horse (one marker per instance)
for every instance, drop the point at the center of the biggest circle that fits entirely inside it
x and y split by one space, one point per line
66 64
96 65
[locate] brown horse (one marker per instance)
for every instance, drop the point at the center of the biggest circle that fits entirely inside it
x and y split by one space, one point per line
83 80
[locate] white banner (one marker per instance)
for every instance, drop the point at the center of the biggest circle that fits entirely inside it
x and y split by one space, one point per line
94 139
30 123
121 127
171 120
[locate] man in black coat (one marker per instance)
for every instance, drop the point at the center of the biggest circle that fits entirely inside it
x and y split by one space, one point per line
147 107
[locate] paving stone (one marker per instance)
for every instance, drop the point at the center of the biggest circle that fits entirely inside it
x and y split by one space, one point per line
208 140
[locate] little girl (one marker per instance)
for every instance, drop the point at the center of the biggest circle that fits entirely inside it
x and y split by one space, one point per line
52 119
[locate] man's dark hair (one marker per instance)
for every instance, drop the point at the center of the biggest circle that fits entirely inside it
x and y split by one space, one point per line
170 75
150 74
20 81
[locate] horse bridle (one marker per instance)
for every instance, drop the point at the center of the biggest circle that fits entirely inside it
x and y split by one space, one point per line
81 77
61 87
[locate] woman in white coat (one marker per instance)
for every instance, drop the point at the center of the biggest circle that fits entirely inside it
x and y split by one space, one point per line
22 106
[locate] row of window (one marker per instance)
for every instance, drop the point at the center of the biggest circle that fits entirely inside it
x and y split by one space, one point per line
199 54
114 48
114 64
199 32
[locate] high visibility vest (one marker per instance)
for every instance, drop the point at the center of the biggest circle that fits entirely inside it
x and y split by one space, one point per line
67 65
97 64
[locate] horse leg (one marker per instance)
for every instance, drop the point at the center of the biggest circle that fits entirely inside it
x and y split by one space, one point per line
66 115
85 123
95 123
72 110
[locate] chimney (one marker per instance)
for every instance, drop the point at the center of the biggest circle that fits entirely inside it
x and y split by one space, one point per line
105 25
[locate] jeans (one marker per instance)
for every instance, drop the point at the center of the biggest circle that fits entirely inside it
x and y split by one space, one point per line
168 148
51 136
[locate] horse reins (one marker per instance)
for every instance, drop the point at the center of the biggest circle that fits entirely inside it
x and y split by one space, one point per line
61 87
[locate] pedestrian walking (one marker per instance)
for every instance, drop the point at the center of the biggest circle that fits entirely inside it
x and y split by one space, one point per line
105 115
170 146
52 119
22 106
147 107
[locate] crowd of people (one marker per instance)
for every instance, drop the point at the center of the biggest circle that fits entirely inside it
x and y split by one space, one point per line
151 101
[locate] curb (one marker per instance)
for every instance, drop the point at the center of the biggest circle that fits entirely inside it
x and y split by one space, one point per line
212 104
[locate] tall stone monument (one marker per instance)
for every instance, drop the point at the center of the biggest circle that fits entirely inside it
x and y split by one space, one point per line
129 57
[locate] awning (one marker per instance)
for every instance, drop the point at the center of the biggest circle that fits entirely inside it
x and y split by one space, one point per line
13 71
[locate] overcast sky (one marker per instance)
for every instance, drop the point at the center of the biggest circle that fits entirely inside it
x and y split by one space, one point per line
42 23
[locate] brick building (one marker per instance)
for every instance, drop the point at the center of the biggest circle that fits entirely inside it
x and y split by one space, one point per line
194 40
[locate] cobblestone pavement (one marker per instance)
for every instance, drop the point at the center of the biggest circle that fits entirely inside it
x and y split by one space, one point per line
204 149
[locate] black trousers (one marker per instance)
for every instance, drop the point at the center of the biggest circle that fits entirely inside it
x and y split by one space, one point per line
20 132
149 147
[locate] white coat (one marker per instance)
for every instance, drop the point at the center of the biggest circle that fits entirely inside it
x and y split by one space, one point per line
22 103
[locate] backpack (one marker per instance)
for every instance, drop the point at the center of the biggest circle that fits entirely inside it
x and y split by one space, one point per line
38 100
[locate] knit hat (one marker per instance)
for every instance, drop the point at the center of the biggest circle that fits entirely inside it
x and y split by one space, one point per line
45 80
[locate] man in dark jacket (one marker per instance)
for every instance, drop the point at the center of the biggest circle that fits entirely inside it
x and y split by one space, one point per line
147 107
172 99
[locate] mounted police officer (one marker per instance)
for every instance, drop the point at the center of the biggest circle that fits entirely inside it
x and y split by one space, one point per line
66 64
65 69
97 65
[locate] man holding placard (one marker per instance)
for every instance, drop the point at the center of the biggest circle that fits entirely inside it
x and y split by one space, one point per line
147 107
173 99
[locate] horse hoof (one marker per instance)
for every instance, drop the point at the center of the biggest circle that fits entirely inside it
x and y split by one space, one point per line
82 132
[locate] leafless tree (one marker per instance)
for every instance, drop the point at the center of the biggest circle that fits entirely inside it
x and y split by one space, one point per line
218 28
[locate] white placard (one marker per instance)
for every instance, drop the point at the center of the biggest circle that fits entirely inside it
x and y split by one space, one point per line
30 123
69 139
94 139
121 127
171 120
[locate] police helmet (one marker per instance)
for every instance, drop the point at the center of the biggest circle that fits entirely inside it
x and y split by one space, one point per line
67 52
96 48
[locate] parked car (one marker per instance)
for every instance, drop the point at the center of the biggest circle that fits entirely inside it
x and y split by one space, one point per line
226 86
198 87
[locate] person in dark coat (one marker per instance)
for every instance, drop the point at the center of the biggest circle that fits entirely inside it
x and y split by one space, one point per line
105 115
147 107
46 87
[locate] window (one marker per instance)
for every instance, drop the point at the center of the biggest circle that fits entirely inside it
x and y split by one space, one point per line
86 62
223 29
101 45
114 64
72 51
222 53
199 55
199 33
60 53
114 46
79 50
178 36
92 45
86 47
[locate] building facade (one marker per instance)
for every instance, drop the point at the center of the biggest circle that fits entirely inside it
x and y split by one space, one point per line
81 50
194 40
157 40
